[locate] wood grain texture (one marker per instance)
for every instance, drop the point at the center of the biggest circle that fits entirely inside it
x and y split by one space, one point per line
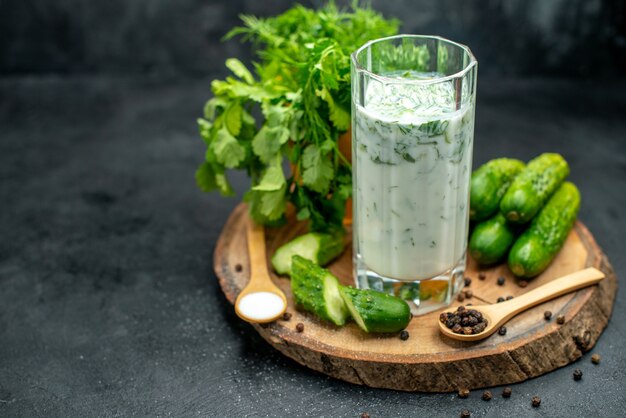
428 361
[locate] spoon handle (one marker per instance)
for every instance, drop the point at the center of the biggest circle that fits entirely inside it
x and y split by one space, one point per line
551 290
256 250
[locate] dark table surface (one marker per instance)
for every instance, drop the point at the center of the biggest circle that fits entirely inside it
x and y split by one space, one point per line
108 301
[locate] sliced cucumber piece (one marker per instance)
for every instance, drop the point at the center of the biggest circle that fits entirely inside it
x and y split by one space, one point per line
318 247
316 290
376 311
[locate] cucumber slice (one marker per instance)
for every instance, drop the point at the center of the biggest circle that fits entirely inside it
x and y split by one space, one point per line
376 311
318 247
316 290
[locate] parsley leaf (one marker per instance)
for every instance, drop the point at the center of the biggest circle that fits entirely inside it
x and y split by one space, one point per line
317 169
268 141
227 150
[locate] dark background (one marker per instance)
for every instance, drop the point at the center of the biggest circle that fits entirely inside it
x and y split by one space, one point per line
182 38
108 301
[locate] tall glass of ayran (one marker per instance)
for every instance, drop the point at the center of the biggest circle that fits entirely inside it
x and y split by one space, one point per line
413 102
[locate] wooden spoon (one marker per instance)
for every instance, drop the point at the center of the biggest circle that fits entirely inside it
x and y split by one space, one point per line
498 314
261 301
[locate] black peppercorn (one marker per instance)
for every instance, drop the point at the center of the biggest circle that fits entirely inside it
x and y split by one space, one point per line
547 315
522 283
238 267
506 392
465 414
464 393
560 319
286 316
404 335
487 395
536 401
480 327
578 374
500 299
469 294
509 297
502 331
461 297
300 327
500 281
482 276
468 281
595 359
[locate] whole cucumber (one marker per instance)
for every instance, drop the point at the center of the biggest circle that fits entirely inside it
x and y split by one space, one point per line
489 183
533 186
536 247
491 239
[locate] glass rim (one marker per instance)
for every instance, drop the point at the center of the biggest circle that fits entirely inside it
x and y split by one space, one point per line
384 79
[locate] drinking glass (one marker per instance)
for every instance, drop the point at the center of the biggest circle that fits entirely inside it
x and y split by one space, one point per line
413 101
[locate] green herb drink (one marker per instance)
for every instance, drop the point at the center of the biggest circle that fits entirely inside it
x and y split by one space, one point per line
413 128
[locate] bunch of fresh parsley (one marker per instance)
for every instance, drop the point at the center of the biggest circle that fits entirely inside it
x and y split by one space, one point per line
302 87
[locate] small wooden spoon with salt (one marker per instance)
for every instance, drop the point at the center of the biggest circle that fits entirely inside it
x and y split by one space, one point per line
261 301
497 314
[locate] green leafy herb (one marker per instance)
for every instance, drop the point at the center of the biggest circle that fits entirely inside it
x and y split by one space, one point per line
301 88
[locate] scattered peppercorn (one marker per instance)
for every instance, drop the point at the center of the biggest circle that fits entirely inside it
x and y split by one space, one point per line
500 281
536 401
595 359
560 319
300 327
547 315
522 283
500 299
365 415
464 321
509 297
469 304
461 297
506 392
465 414
238 267
578 374
487 395
481 276
464 393
468 281
286 316
468 294
404 335
502 331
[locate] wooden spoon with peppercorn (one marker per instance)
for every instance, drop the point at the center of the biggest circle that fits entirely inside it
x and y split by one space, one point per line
261 301
483 320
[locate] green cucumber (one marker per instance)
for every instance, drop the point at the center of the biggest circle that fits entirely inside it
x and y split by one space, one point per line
536 247
376 311
318 247
489 183
316 290
491 239
533 187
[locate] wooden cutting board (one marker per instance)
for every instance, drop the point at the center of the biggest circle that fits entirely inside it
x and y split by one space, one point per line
428 361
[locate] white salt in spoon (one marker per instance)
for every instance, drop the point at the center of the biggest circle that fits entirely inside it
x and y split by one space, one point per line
261 300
